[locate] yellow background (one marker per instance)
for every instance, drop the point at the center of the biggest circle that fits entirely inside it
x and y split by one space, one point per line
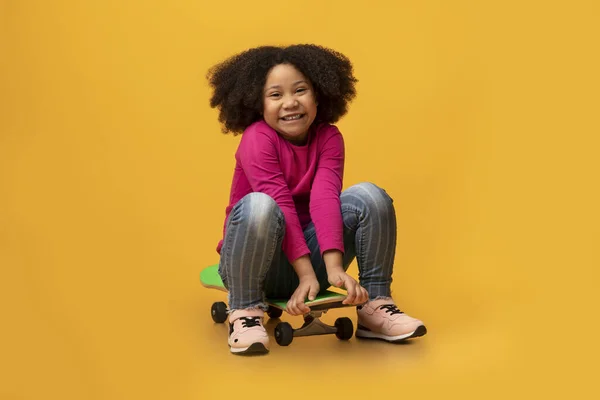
479 118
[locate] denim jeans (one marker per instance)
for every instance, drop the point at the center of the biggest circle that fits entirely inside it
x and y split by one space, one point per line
253 266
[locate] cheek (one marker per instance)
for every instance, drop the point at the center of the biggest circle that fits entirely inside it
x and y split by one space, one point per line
269 112
308 105
313 108
314 104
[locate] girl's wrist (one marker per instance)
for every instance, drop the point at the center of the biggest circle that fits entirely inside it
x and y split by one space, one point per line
304 268
333 260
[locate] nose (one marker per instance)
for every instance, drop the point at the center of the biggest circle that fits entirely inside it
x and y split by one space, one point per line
290 102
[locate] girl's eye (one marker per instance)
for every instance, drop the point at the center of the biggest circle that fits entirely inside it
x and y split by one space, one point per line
274 95
301 90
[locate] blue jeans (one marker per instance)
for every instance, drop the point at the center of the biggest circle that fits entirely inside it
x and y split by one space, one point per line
253 266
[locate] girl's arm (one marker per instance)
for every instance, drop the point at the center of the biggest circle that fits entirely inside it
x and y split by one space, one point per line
259 158
325 204
327 217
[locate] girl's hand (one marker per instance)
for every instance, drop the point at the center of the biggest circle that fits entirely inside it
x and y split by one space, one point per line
356 293
308 288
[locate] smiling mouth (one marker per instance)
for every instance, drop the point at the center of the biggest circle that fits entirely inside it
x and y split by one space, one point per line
292 117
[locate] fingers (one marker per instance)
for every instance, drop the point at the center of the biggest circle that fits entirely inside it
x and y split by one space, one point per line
361 295
364 296
291 307
296 306
356 293
350 285
312 293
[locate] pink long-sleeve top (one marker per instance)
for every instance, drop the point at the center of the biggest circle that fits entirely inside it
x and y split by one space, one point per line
305 182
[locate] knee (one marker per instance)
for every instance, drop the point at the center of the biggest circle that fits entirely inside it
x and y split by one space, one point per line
260 210
372 196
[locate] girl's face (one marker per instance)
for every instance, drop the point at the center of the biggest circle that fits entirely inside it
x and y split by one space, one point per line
290 105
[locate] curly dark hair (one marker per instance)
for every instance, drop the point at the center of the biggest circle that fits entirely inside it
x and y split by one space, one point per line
239 80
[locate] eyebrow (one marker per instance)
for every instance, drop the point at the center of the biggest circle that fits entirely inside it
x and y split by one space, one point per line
278 86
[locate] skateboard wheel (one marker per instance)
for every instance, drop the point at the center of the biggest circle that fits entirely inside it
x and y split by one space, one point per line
345 328
284 334
274 313
218 312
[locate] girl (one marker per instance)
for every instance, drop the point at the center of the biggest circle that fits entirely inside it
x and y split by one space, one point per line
289 229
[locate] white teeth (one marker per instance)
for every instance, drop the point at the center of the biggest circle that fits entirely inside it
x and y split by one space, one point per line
297 116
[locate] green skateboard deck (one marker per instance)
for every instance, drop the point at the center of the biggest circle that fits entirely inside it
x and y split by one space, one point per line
210 278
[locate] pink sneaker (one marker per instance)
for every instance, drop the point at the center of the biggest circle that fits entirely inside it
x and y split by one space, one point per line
246 332
381 319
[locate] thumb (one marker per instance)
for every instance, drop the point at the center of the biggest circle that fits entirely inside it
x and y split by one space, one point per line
312 294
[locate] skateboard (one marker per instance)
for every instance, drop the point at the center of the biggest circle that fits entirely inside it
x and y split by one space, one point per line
284 332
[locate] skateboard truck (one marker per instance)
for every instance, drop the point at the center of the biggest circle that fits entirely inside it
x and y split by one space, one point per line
314 326
343 328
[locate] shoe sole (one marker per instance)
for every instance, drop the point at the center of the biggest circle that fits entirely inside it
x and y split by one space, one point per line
254 348
362 334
